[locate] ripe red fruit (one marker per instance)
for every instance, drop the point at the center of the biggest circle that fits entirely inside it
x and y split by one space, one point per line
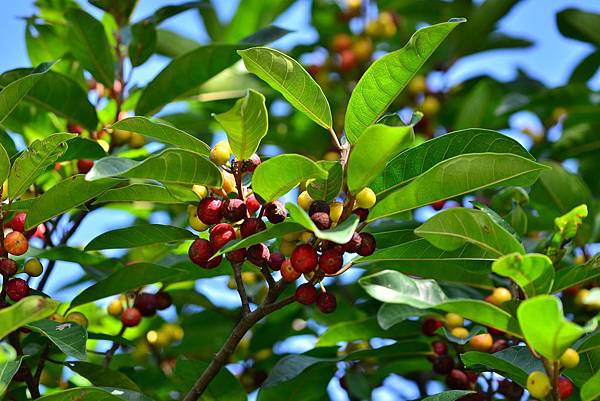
495 332
353 245
221 234
163 300
472 376
498 345
430 326
438 205
347 60
367 244
248 166
74 128
275 212
275 261
326 302
8 267
321 220
258 254
234 210
237 256
328 245
252 204
439 347
210 210
288 273
17 289
361 213
319 206
443 365
18 222
145 303
306 294
15 243
131 317
565 387
341 41
304 258
84 165
201 251
252 226
457 380
331 261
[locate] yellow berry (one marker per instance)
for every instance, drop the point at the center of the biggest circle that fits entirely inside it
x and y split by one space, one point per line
120 136
417 85
196 223
335 211
366 198
158 339
331 156
306 237
579 259
57 317
229 183
200 191
430 106
291 237
459 332
115 308
581 296
500 295
454 320
304 200
538 384
192 210
174 331
34 267
286 247
5 190
77 317
220 153
136 140
570 358
482 342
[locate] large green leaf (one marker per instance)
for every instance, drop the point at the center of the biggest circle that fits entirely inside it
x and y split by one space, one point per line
533 272
272 231
28 309
580 25
69 337
340 234
15 91
101 376
545 327
163 133
140 235
415 161
89 45
82 148
373 150
7 371
138 192
458 176
126 279
246 124
577 275
143 42
40 155
96 394
591 388
387 77
278 175
175 166
287 76
184 74
4 164
327 189
390 315
453 228
64 196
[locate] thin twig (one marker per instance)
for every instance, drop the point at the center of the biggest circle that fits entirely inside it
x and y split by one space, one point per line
268 276
41 363
33 389
111 352
335 139
239 283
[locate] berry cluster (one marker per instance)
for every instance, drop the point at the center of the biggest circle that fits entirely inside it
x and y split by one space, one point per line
132 307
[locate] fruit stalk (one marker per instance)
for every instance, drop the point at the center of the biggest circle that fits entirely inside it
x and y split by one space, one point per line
239 283
111 352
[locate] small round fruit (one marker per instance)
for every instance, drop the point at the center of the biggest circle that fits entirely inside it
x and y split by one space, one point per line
146 304
500 295
570 358
288 273
335 211
353 245
237 256
457 380
510 390
443 365
229 185
248 166
275 261
366 198
77 317
367 244
417 85
326 302
286 247
200 251
15 243
538 384
331 261
361 213
115 308
131 317
319 206
84 165
438 205
57 317
321 220
304 258
347 60
454 320
119 136
163 300
220 235
234 210
430 106
210 210
275 212
499 345
304 200
220 153
363 49
258 254
581 296
18 222
252 226
430 326
306 237
8 267
200 190
565 387
34 267
17 289
440 348
482 342
252 204
459 332
136 140
306 294
195 222
341 41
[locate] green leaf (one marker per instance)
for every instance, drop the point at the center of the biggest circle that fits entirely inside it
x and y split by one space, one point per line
533 272
309 386
7 371
545 327
173 45
364 329
126 279
278 175
69 337
64 196
450 395
272 231
373 150
176 166
246 124
13 93
579 25
591 388
4 164
577 275
140 235
28 309
89 45
57 93
453 228
340 234
390 315
163 133
143 42
138 193
387 77
415 161
288 77
73 255
458 176
101 376
40 155
463 340
95 394
82 148
327 189
184 74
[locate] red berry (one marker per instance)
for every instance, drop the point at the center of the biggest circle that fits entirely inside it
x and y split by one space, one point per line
321 220
258 254
565 387
15 243
18 222
131 317
327 245
326 302
145 303
318 206
353 245
367 244
252 226
306 294
234 210
163 300
275 261
331 261
237 256
252 204
304 258
438 205
251 164
347 60
17 289
457 380
8 267
472 376
201 251
210 210
74 128
275 212
361 213
84 166
510 390
443 365
430 326
498 345
439 347
288 273
220 235
495 332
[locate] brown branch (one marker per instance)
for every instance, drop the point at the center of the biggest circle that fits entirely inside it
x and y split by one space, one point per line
111 352
41 363
13 339
268 276
239 283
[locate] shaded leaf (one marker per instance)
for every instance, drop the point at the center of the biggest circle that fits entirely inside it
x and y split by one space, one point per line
533 272
327 189
14 92
101 376
340 234
138 192
69 337
139 235
28 309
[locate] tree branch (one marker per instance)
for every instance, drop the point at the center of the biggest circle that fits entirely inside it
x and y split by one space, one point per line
13 339
111 352
41 363
239 283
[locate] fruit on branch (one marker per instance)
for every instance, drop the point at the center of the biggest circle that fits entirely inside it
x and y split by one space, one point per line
248 166
438 205
499 345
145 303
304 200
417 85
258 254
510 390
221 234
17 289
115 308
367 244
326 302
15 243
443 364
304 258
237 256
341 42
430 325
18 222
229 186
84 165
275 261
331 261
482 342
335 211
33 267
288 273
120 136
499 296
439 348
275 212
366 198
321 220
77 317
234 210
581 296
363 49
8 267
306 237
163 300
570 358
210 210
459 332
454 320
195 223
538 384
347 60
565 387
353 245
136 140
220 153
306 294
430 106
457 380
286 247
318 206
252 226
200 190
131 317
201 251
252 204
